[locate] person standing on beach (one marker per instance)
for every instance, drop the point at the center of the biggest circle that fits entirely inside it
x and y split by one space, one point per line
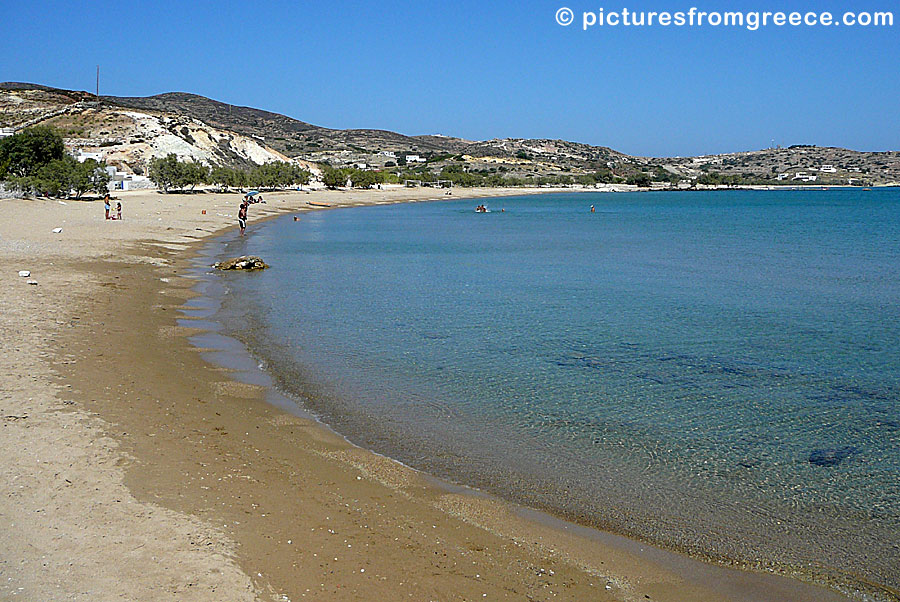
119 211
242 217
106 205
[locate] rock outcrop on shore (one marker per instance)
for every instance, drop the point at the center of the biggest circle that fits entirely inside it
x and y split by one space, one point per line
244 262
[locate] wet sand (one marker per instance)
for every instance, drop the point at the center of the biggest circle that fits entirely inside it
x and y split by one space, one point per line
134 469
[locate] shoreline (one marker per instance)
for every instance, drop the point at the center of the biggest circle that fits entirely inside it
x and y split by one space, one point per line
174 424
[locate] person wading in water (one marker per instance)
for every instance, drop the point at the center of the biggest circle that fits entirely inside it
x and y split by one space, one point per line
242 217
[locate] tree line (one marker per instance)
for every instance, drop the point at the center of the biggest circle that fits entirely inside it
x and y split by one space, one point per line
169 173
35 161
358 178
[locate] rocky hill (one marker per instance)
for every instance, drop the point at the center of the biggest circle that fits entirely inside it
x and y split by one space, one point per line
131 130
126 138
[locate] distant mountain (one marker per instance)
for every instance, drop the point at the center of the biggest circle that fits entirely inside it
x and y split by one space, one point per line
133 129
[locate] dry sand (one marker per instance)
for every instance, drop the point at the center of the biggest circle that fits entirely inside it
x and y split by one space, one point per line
133 470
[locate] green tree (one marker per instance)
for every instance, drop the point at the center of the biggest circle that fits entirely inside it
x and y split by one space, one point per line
55 177
301 176
168 172
164 171
334 178
223 177
191 174
363 179
26 152
89 176
639 179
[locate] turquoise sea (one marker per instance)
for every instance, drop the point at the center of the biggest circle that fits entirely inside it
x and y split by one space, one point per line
716 372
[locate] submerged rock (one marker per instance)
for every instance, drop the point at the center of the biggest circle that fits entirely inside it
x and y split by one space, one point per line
831 456
245 262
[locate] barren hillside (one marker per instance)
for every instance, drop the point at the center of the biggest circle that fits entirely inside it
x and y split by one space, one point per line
131 130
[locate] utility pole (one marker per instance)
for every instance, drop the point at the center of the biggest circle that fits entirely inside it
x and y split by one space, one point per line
98 83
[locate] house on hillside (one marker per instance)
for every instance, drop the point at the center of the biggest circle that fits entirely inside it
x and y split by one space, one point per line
828 169
415 159
81 156
804 177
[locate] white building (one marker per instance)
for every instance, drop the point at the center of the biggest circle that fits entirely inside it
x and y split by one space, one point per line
5 132
803 177
827 169
125 181
82 156
415 159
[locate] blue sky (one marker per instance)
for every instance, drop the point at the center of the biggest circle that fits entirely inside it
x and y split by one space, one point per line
485 69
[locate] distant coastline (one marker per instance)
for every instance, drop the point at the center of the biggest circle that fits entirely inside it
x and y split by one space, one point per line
126 133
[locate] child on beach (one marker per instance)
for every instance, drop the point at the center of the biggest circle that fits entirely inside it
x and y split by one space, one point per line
119 211
106 205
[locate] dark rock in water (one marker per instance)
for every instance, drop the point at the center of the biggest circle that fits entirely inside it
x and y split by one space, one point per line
245 262
831 456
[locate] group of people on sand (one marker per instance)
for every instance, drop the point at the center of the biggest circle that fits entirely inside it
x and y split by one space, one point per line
107 207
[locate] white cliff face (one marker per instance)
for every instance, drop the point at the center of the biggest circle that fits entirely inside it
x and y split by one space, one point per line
190 139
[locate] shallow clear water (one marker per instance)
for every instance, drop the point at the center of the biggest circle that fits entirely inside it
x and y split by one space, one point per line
718 372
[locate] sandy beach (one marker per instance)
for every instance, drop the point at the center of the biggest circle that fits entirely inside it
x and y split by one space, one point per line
135 470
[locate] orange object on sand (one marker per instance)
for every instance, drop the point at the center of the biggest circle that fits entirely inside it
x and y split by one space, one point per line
203 212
